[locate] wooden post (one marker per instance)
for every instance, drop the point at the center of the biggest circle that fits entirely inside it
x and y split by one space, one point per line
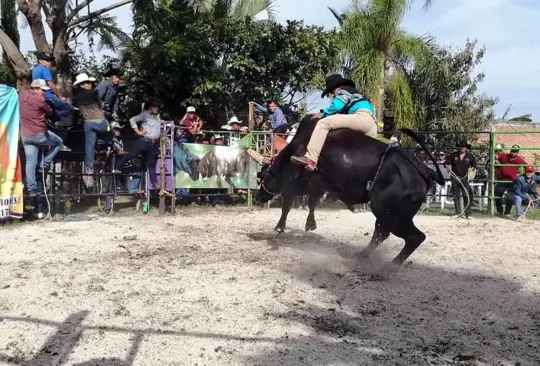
251 116
162 172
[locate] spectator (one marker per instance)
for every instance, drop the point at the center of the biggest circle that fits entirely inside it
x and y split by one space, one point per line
86 98
244 131
42 71
199 137
277 118
108 93
458 165
34 135
191 124
439 191
508 173
232 125
148 142
217 140
522 190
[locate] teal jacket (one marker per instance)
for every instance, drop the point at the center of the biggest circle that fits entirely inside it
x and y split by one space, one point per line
350 98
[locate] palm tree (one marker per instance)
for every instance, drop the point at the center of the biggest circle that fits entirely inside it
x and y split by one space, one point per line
379 54
237 8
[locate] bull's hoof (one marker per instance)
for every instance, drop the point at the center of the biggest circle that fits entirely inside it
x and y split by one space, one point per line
279 229
311 226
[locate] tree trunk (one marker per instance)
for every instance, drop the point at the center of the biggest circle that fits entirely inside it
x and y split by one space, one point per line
32 11
15 57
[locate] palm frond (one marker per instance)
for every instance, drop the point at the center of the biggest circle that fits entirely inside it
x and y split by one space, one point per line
250 8
402 100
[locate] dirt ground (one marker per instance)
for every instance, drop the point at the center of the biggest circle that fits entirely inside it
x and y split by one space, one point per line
219 287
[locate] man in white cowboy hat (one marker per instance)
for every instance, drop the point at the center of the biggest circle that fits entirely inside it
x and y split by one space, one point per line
108 93
58 102
233 124
87 99
190 124
349 109
34 111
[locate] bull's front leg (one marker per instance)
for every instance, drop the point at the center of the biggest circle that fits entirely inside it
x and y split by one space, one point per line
313 201
288 199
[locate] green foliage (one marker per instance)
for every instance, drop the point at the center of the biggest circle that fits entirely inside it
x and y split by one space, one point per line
189 57
377 53
6 75
446 95
9 25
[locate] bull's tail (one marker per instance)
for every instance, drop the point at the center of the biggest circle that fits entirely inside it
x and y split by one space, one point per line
437 175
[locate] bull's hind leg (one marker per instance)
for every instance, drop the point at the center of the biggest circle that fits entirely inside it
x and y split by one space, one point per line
288 199
313 201
380 234
413 238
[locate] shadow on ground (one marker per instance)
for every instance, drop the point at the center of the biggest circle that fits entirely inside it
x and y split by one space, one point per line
421 315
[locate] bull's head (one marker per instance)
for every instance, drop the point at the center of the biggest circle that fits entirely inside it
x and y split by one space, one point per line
264 194
276 174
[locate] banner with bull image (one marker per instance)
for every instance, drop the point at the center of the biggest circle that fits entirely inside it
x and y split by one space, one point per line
214 167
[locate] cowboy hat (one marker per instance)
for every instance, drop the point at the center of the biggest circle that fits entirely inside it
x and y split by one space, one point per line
234 120
83 78
335 81
39 83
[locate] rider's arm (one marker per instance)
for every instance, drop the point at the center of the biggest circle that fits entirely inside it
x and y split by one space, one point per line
334 108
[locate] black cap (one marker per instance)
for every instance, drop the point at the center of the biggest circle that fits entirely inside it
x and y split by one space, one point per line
45 56
154 102
113 71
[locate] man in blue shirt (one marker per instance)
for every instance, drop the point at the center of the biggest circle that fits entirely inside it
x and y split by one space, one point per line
349 109
523 190
276 116
59 104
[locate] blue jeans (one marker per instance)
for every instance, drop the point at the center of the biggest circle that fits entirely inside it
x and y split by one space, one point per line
61 108
32 145
518 202
91 131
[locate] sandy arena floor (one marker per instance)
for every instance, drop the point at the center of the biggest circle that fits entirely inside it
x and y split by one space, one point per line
219 287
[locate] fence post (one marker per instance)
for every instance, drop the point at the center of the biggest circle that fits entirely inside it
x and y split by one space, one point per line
491 198
251 118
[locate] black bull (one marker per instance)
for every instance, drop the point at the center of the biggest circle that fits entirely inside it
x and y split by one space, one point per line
358 169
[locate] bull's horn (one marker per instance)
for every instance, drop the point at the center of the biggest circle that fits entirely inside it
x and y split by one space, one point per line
259 158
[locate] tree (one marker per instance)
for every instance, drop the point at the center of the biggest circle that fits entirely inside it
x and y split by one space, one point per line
446 96
379 52
236 8
9 26
184 56
66 21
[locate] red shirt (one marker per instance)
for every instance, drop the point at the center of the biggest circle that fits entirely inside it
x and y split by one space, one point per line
188 123
508 172
33 109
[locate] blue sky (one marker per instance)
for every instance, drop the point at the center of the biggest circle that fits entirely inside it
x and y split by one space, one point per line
508 28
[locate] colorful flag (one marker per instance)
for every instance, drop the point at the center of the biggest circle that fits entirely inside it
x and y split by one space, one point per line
11 186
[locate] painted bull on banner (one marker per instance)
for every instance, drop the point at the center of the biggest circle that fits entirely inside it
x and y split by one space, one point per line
223 161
